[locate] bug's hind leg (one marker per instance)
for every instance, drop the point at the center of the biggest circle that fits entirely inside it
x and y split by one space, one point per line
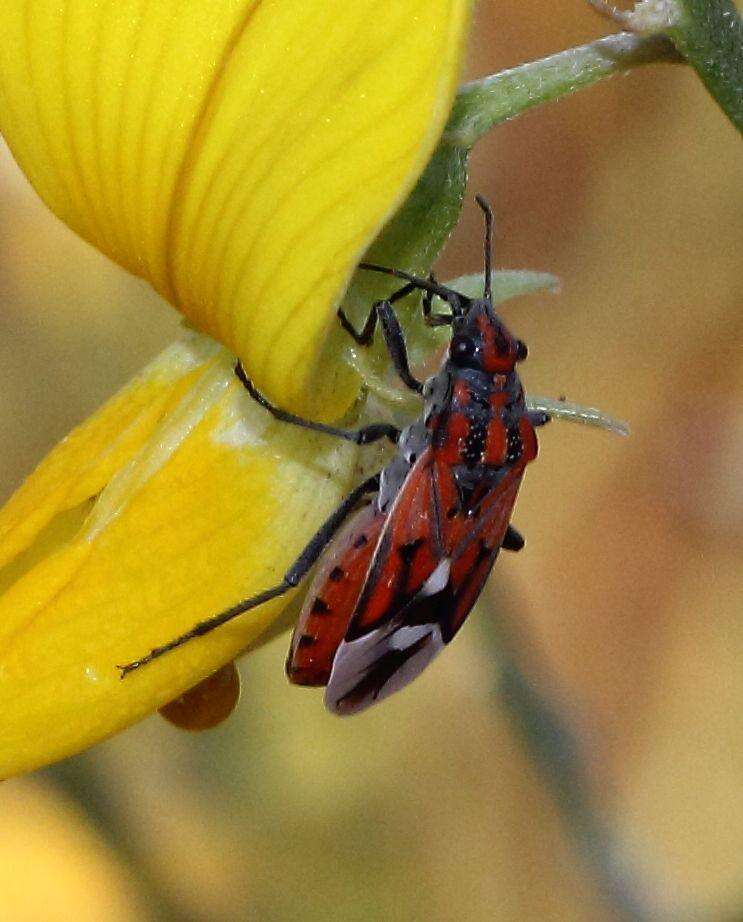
363 436
513 540
292 578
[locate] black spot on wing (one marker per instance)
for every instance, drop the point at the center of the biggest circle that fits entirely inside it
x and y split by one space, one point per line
360 541
336 574
378 561
407 551
484 551
319 607
305 640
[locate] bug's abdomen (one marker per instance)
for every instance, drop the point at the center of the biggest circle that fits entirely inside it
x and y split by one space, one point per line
332 597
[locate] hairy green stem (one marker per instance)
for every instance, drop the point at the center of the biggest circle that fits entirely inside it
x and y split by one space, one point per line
487 102
414 236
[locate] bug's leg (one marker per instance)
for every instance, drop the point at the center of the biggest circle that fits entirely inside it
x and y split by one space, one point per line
393 336
395 342
362 436
513 540
292 578
366 334
538 417
430 319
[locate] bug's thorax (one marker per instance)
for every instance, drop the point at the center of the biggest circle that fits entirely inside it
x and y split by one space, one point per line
475 409
483 424
474 414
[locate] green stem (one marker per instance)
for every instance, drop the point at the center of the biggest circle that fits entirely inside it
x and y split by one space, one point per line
484 103
709 34
557 750
414 236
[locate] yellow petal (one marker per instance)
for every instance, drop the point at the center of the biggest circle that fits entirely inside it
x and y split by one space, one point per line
239 155
213 501
72 476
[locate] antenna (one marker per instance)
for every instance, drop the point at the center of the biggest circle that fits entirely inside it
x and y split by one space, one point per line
488 212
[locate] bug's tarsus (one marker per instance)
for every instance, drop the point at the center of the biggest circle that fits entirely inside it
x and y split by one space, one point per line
208 625
293 576
363 436
365 335
488 212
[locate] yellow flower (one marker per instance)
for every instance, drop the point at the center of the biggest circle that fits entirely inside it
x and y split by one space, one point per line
240 156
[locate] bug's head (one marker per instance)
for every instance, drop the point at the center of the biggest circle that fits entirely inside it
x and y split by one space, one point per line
480 339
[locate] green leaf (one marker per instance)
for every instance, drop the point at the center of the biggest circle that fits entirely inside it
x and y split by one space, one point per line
506 284
577 413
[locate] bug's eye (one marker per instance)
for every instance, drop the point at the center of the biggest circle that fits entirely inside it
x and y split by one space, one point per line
462 348
521 351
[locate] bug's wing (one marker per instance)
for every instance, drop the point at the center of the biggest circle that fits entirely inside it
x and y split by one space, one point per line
332 597
427 597
475 555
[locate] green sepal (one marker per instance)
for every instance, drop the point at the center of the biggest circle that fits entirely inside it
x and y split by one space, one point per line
709 34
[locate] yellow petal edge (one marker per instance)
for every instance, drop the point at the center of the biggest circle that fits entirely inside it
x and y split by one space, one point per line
178 498
239 155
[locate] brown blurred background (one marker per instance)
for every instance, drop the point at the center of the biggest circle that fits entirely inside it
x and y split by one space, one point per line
624 613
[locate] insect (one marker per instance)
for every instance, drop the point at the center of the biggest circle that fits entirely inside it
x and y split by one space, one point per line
405 556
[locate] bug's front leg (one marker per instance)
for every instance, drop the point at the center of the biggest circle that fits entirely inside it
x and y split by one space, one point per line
363 436
431 319
393 336
293 576
364 336
392 332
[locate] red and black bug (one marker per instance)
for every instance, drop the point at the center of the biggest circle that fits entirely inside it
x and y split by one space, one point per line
405 556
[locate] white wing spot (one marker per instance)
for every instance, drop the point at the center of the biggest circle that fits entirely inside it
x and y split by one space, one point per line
437 581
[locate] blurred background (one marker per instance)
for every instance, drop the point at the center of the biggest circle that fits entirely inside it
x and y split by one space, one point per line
577 757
